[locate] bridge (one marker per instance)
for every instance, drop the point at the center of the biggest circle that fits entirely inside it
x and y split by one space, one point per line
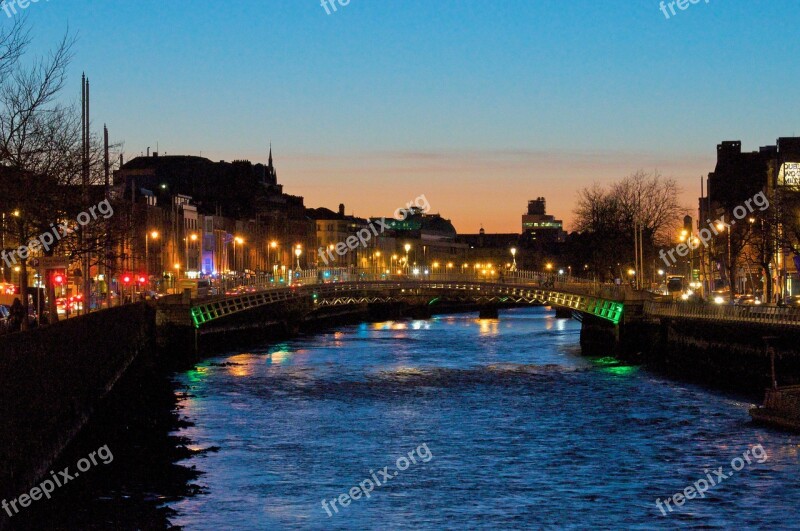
515 289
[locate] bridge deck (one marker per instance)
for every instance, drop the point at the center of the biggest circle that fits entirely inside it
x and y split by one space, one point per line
578 297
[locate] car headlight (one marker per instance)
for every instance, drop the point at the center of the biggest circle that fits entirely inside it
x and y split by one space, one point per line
719 300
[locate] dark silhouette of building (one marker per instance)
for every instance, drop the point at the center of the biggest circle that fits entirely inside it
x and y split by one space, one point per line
539 228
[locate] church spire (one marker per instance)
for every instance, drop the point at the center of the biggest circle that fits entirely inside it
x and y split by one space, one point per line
272 175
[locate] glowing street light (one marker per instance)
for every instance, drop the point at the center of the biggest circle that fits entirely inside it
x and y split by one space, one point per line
272 245
297 252
407 247
514 258
240 241
152 235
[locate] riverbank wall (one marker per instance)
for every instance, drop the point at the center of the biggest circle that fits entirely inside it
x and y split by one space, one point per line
51 381
722 355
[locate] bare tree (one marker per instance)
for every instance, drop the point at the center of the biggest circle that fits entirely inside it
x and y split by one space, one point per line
39 140
611 214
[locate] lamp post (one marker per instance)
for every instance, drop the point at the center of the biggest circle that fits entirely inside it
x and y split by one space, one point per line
722 228
407 247
514 258
297 252
272 245
147 237
240 241
192 237
177 274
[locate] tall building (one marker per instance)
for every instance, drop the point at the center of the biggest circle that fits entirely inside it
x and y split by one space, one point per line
539 228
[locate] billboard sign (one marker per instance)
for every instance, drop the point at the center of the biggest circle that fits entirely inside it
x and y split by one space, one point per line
789 174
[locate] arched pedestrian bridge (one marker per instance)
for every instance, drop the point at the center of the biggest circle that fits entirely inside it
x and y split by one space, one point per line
517 288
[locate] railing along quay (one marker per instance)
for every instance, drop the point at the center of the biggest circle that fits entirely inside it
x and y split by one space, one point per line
772 315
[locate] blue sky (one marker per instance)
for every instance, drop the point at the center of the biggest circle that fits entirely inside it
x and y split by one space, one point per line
478 105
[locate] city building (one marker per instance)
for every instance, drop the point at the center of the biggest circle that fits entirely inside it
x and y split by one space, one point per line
762 248
214 217
430 238
539 228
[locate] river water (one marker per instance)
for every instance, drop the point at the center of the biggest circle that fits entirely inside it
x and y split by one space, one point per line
506 424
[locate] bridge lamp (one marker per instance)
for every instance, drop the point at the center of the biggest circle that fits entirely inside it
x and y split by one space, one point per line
549 267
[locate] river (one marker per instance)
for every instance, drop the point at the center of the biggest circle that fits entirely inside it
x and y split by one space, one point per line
460 423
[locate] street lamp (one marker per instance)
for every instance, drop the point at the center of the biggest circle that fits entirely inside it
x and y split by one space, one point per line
407 247
297 252
192 237
177 274
272 245
240 241
152 235
722 228
514 257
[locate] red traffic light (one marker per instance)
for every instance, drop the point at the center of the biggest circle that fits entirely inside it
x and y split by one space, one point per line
126 279
142 280
58 279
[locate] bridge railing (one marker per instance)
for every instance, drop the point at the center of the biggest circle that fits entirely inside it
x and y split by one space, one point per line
526 278
725 312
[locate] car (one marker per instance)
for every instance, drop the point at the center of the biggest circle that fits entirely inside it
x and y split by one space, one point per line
691 297
746 300
721 296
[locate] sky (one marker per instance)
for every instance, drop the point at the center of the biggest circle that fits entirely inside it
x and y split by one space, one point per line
478 105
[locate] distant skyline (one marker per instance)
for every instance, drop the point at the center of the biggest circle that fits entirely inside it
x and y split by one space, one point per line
480 106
